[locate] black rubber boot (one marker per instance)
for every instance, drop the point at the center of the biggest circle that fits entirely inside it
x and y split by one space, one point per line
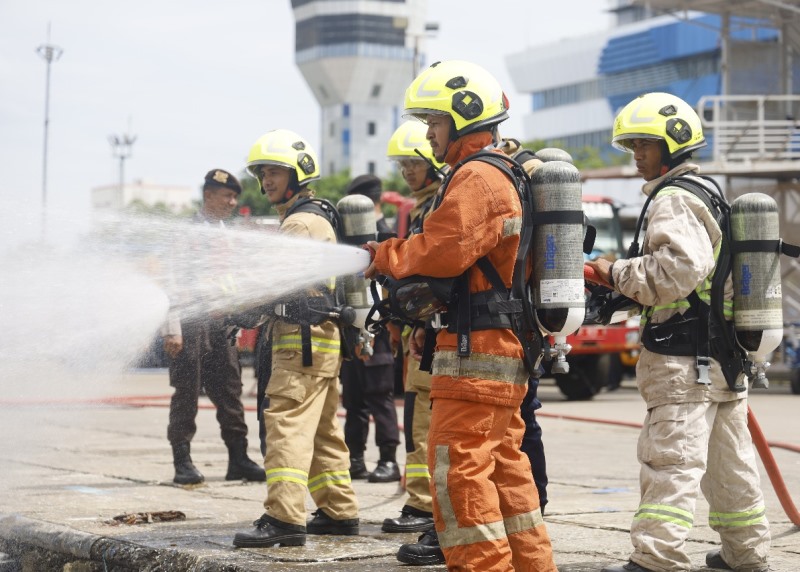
411 520
387 470
424 553
358 469
714 560
185 472
269 532
240 466
323 524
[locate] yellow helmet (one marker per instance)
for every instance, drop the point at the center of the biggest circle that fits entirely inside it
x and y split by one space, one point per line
409 138
464 91
284 148
659 116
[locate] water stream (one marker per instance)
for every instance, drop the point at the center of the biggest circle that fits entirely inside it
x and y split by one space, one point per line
90 301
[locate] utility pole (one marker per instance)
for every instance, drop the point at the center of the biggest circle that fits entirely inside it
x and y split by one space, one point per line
50 54
122 147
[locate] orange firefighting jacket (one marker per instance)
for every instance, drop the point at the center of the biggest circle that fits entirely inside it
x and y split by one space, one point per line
480 215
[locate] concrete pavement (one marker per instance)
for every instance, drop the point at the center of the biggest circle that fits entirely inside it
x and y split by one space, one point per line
76 453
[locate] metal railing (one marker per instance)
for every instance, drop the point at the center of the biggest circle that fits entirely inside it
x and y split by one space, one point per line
752 127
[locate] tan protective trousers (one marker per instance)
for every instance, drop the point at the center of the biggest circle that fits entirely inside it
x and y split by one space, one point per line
685 448
485 504
306 450
418 476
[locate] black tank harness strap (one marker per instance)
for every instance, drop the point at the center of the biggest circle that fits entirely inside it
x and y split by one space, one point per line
500 307
702 331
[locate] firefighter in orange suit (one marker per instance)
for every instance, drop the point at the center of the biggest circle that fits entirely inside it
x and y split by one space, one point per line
485 506
306 450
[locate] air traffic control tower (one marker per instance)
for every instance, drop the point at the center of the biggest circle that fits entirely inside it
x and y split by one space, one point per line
358 57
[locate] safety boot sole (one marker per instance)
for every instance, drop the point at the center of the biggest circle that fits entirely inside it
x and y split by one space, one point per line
298 539
394 527
420 559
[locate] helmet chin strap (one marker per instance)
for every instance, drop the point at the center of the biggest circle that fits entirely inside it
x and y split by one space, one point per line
286 195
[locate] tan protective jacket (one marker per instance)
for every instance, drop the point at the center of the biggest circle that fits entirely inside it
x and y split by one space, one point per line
678 255
325 342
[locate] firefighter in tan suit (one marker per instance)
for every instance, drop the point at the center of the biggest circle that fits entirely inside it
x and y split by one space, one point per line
306 450
695 436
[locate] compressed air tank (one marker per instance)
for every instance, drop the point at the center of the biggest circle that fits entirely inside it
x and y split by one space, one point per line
558 284
554 154
358 218
757 301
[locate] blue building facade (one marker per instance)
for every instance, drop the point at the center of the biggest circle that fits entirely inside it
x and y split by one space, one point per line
573 104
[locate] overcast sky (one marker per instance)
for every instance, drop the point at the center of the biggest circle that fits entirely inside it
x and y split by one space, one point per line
198 82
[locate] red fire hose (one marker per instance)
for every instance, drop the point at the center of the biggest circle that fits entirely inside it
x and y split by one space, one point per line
759 440
771 466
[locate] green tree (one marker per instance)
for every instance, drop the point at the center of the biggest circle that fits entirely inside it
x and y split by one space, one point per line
332 187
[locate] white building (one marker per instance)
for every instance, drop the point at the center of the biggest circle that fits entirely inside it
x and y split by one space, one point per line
358 57
113 197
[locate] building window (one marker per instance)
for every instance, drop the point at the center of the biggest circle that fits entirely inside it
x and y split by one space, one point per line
376 90
332 129
371 167
371 128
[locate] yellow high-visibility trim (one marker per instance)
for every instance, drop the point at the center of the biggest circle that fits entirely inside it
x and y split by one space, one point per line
287 474
665 513
417 472
737 519
327 479
294 342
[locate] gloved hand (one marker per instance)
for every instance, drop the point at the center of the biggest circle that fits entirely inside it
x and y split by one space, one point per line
371 271
598 272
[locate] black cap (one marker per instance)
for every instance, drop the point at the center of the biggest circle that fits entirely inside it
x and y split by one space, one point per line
220 178
367 185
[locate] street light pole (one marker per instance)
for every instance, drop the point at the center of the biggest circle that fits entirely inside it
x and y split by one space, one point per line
50 54
122 147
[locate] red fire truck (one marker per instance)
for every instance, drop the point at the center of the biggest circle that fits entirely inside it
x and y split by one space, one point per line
600 355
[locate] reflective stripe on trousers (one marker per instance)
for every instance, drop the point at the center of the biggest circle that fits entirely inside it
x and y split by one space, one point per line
418 475
685 448
306 452
486 507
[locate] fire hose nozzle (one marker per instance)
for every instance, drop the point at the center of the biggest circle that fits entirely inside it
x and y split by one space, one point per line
371 251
